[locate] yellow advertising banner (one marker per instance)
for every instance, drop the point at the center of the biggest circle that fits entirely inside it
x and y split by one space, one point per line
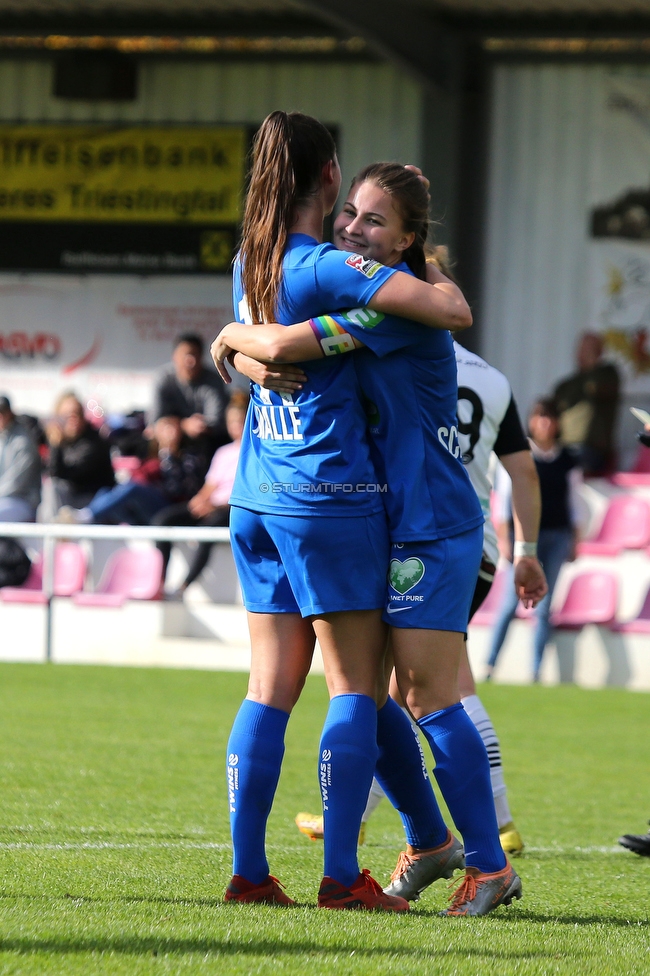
99 173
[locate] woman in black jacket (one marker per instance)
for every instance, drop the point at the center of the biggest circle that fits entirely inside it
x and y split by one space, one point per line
80 459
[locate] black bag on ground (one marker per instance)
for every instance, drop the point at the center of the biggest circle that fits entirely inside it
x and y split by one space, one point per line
14 563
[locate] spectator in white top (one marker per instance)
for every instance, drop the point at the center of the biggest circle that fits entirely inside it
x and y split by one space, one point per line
20 469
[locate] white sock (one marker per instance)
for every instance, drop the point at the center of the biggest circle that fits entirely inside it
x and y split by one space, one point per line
375 797
476 711
84 516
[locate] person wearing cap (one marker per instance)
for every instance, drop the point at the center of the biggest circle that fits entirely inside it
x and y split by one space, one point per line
20 469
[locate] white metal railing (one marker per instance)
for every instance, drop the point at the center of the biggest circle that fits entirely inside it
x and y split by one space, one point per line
50 532
56 530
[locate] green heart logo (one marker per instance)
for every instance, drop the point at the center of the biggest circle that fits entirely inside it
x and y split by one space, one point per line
403 576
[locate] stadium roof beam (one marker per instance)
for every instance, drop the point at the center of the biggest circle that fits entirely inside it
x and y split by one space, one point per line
414 36
272 18
433 39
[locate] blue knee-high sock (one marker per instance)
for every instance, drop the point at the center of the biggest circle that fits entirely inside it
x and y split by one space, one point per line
255 751
348 753
463 774
402 774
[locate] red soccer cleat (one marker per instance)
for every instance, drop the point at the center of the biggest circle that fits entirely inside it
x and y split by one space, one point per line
365 894
269 892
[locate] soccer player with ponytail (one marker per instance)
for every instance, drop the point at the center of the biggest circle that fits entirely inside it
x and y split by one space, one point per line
408 377
308 528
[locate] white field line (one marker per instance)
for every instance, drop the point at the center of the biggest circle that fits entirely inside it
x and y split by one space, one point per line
208 845
108 845
594 849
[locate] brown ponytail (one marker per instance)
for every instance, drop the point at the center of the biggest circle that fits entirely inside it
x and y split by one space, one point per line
289 153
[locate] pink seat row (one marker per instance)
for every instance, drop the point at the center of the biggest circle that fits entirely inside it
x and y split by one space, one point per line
129 574
626 526
592 598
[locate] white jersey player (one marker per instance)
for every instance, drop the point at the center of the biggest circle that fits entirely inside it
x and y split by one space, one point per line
488 421
484 400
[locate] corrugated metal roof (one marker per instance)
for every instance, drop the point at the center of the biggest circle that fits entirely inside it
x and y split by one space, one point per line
536 298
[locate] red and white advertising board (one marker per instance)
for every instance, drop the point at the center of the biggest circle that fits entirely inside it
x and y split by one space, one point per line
103 336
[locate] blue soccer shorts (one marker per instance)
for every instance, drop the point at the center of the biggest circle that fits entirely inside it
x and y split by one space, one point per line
310 565
431 584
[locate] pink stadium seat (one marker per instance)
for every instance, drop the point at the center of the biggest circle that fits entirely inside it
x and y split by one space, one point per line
524 613
626 526
591 599
130 574
640 624
486 613
631 479
69 574
642 461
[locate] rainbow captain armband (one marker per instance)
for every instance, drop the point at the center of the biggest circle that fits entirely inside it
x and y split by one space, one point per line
333 338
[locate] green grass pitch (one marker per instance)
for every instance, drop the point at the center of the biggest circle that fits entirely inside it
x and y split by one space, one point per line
114 845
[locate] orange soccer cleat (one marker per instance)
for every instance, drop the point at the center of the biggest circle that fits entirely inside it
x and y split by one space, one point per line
269 892
365 895
480 893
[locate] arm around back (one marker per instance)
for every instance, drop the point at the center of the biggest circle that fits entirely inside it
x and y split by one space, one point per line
440 306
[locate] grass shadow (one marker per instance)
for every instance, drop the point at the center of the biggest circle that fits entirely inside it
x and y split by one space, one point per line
525 915
518 914
151 945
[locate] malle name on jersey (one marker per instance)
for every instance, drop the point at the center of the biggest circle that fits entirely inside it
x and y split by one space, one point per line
278 423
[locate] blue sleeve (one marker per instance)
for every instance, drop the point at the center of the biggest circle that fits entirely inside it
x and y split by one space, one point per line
347 280
382 334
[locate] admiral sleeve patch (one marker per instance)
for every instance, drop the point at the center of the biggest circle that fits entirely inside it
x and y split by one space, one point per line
366 266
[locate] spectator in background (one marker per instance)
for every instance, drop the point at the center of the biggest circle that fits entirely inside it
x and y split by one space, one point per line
557 529
587 404
80 459
194 394
173 475
20 469
126 435
210 506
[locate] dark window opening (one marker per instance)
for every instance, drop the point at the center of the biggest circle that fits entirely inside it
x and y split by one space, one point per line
95 76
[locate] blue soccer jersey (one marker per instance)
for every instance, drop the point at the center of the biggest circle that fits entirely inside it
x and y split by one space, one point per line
409 381
308 452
